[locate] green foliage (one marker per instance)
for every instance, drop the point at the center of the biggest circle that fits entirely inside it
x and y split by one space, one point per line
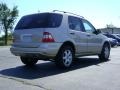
9 39
7 18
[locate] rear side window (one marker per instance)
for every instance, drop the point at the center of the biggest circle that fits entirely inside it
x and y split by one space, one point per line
74 23
44 20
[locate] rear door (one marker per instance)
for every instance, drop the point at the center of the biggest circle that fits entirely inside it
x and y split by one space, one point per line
28 38
29 30
77 34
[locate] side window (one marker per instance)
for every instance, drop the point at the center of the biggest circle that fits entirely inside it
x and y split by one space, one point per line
74 23
88 27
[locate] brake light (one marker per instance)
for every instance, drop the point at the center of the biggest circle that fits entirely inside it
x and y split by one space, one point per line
47 37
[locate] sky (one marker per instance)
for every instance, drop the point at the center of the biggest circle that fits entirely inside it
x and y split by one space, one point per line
98 12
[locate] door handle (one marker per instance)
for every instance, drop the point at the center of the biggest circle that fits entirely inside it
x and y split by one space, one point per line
88 35
72 33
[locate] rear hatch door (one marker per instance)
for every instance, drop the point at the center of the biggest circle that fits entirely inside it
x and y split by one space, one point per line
28 38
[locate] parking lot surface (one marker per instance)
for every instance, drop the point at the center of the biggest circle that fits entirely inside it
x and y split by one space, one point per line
87 73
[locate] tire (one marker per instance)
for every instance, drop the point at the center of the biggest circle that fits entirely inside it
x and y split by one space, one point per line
65 57
105 53
28 61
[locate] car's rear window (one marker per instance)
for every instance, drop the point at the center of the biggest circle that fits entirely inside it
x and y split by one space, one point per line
44 20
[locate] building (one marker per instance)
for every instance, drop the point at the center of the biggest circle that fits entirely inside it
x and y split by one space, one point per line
111 30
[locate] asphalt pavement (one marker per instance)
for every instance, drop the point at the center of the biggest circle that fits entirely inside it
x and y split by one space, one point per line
87 73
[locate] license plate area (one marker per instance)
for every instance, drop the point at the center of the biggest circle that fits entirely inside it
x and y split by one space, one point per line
26 38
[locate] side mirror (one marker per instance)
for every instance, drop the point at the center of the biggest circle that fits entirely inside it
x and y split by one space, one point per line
98 31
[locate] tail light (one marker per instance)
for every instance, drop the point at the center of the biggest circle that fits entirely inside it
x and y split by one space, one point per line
47 37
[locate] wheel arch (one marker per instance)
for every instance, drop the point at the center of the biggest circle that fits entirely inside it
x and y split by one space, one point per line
59 60
102 55
106 42
69 43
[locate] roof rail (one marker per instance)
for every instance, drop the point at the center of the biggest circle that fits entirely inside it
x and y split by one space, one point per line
67 12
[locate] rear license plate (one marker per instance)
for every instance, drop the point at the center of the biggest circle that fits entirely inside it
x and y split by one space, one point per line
26 38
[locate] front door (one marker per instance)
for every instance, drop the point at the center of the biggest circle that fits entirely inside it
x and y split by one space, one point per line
94 40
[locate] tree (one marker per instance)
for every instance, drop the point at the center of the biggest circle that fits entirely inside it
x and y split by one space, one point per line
7 18
110 26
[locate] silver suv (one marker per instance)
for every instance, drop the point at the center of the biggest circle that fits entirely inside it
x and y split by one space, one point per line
58 36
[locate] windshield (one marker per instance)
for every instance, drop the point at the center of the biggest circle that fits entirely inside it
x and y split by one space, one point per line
44 20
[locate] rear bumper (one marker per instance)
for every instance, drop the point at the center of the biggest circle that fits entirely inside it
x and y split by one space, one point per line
42 52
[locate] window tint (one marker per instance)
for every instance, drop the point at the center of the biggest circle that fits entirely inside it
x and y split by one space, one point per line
88 27
74 23
44 20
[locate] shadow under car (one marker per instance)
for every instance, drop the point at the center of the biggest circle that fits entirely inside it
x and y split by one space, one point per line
47 69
